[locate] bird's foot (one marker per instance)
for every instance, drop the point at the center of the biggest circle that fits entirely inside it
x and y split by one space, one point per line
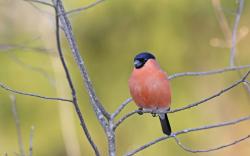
153 114
140 112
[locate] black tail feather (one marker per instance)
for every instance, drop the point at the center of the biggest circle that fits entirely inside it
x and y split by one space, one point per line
166 128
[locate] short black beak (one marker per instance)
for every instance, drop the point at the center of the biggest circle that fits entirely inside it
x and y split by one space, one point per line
138 64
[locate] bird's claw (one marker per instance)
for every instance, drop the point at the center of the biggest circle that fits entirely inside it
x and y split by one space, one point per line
153 114
140 111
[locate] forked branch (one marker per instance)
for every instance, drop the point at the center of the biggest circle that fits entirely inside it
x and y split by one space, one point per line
222 124
187 106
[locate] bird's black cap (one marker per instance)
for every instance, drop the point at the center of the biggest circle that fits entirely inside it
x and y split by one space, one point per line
141 58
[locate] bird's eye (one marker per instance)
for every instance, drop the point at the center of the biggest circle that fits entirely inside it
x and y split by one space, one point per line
142 60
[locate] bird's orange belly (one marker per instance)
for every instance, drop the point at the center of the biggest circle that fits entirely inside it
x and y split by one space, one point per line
151 94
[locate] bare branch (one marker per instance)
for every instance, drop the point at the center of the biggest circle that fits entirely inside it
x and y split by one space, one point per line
211 72
17 122
71 85
24 46
40 2
84 8
246 84
127 116
120 108
222 20
7 47
213 96
187 106
222 124
39 70
234 33
210 149
99 109
32 94
102 115
231 38
234 39
31 140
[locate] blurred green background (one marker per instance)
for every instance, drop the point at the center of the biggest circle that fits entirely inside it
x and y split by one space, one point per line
184 36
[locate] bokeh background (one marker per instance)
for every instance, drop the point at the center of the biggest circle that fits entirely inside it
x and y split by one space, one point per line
184 36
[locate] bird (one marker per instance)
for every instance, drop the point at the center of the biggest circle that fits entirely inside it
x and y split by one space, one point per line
150 88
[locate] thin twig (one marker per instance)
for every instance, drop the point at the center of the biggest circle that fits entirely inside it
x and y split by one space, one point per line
213 96
234 33
120 108
40 2
84 7
222 20
211 72
31 140
210 149
32 94
24 46
39 70
18 128
126 116
71 85
8 47
222 124
234 39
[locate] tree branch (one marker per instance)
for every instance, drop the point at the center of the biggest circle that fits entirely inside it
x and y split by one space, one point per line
40 2
84 7
31 140
99 109
222 20
7 47
211 72
17 122
213 96
235 40
39 70
210 149
234 33
120 108
32 94
222 124
71 85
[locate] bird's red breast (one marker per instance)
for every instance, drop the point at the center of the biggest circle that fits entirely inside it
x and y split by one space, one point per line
149 86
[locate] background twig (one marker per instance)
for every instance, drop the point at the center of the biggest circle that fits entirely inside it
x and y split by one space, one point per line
40 2
17 122
234 33
31 140
210 149
84 8
211 72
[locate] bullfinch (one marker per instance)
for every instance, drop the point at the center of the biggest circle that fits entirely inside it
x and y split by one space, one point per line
149 87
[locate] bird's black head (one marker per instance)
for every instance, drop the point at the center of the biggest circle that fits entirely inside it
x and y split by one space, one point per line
142 58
